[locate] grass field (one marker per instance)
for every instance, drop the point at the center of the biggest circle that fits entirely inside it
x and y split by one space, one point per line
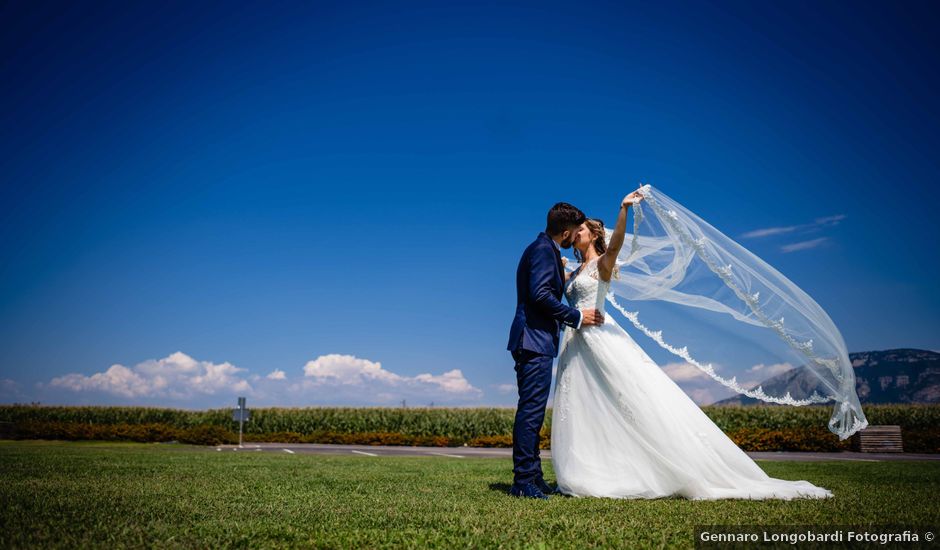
81 494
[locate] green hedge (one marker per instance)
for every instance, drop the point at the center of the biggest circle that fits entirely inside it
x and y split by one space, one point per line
147 433
457 422
753 428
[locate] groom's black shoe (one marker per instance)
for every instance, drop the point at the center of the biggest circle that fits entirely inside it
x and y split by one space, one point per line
545 487
528 490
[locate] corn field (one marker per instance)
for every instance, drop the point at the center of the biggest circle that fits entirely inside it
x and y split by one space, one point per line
457 423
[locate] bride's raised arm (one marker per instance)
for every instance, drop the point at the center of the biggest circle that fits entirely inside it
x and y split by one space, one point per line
607 261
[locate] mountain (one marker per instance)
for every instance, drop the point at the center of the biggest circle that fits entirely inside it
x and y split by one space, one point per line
889 376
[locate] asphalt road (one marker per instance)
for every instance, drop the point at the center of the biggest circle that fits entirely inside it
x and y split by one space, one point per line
482 452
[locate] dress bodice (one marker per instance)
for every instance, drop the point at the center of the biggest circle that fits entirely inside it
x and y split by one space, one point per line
586 290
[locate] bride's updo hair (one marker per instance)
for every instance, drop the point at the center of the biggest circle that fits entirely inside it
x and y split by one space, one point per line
598 235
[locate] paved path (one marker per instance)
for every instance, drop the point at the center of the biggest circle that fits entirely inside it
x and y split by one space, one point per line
482 452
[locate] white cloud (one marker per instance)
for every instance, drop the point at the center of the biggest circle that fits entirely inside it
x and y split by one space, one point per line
177 376
505 388
704 396
327 380
10 388
760 373
346 377
825 221
830 220
696 384
347 369
451 381
764 372
704 390
803 245
681 372
768 231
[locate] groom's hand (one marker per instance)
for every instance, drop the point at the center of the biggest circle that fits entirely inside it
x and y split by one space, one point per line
592 317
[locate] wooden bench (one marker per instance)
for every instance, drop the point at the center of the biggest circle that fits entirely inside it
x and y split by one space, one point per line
878 439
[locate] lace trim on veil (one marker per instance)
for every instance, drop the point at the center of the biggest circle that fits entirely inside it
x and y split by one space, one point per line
724 273
676 228
751 300
708 369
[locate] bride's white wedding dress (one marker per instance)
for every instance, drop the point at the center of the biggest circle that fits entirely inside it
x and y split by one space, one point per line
622 428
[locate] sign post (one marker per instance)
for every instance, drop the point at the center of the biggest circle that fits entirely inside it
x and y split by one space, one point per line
241 415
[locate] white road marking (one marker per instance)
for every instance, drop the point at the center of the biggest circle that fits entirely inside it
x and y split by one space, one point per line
288 451
365 453
218 448
445 454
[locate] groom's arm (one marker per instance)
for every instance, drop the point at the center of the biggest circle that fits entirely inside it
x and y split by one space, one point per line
541 269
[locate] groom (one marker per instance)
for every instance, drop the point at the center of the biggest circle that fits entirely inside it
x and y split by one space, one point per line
533 340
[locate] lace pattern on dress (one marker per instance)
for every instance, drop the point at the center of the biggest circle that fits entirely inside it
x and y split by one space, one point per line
586 289
591 270
564 384
625 409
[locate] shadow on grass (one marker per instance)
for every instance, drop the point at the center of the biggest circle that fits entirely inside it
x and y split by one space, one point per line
501 487
504 489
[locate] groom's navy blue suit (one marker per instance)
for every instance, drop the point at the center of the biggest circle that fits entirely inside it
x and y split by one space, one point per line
533 341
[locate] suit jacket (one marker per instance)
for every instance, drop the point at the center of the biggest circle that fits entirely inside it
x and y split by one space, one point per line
539 311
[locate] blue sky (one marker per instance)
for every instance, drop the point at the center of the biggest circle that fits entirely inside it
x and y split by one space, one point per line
209 195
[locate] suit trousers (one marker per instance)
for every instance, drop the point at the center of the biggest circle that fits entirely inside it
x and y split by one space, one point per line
534 379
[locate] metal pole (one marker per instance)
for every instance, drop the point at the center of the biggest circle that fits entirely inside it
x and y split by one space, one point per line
241 418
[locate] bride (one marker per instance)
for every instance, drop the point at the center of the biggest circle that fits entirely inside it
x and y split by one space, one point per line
621 427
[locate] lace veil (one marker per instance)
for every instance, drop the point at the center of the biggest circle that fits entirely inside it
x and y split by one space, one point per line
738 325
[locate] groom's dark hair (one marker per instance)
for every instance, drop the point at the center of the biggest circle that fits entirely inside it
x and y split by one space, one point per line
561 217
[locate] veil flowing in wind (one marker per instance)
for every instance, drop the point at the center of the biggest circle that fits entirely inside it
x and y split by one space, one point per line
733 319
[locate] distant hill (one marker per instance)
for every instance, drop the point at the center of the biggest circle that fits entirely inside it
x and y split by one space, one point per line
889 376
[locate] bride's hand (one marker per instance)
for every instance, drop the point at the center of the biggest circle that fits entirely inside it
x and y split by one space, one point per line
632 198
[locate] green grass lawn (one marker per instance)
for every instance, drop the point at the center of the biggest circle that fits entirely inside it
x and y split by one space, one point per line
80 494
